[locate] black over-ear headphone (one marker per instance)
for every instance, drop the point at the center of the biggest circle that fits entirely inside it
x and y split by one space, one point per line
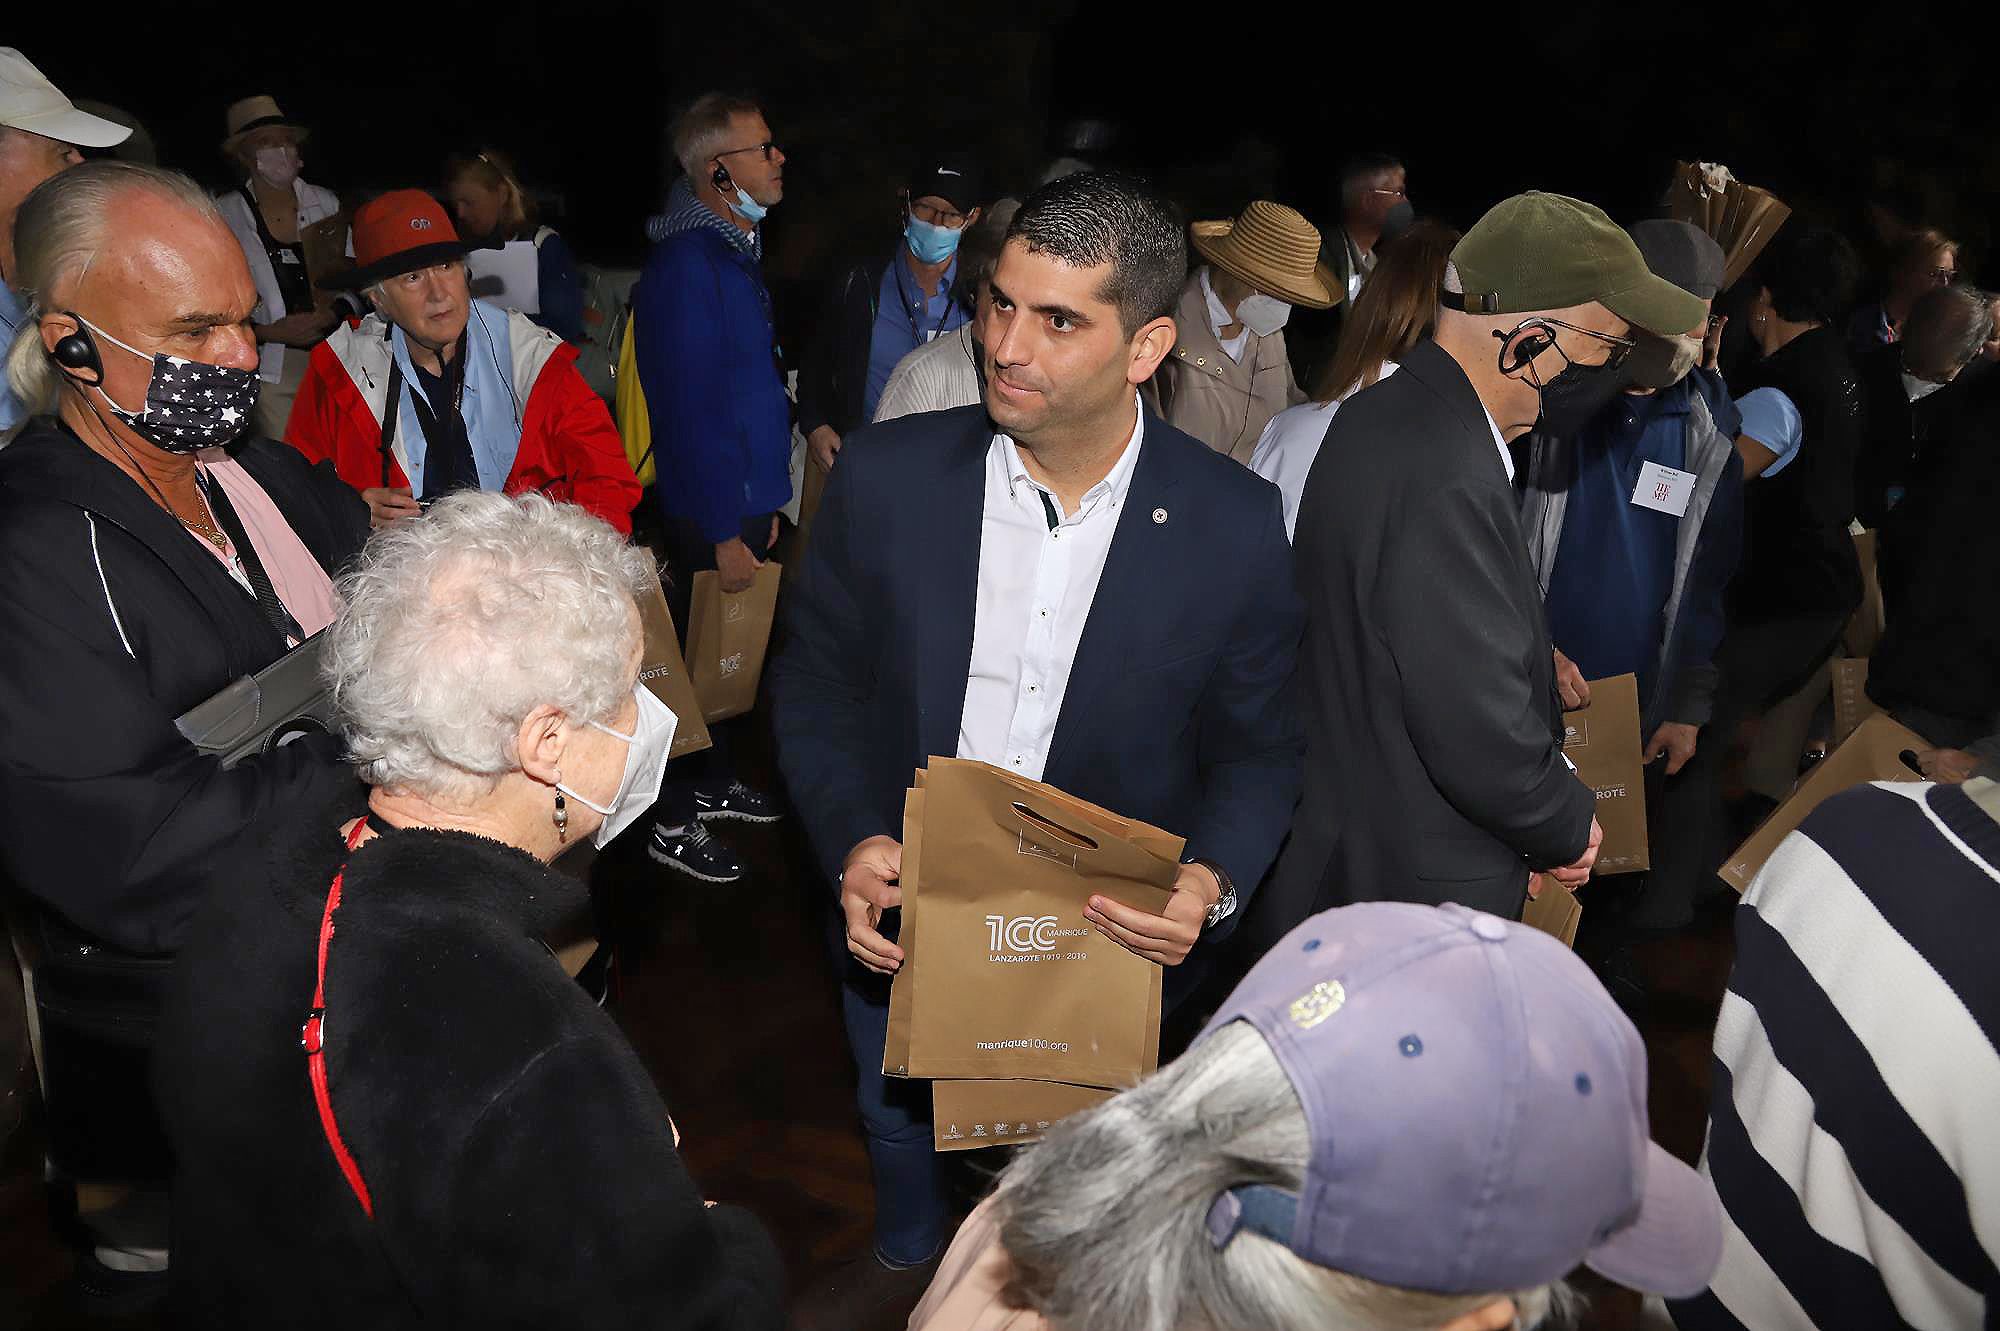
721 179
1532 344
78 351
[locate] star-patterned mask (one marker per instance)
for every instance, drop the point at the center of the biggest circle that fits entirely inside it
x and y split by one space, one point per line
190 404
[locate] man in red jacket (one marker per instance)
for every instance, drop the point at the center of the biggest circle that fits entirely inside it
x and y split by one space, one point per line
436 391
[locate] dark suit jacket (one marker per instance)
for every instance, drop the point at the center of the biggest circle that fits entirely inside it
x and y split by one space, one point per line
1178 711
1433 765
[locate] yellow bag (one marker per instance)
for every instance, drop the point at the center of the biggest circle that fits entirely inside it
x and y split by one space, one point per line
634 426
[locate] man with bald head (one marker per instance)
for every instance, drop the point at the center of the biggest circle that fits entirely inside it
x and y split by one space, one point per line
1434 765
143 564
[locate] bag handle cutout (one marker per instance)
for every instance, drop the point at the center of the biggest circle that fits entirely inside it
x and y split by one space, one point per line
1052 829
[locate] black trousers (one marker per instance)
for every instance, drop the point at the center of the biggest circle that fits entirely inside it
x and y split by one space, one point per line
1759 663
689 553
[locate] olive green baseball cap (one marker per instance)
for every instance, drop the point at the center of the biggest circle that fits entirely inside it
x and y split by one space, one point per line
1540 251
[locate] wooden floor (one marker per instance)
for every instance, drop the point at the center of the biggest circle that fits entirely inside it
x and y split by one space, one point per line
728 995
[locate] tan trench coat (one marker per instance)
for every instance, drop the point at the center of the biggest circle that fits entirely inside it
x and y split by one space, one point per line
1200 390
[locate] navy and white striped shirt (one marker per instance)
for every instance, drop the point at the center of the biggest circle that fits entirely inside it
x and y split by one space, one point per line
1854 1126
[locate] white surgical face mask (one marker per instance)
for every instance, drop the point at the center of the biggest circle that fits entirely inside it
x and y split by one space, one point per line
1262 314
646 752
1918 389
279 166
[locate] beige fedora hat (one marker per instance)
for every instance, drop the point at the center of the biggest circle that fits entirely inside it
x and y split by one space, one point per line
253 113
1275 250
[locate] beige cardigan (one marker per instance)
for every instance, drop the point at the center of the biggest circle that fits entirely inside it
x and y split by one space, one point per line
965 1293
1200 390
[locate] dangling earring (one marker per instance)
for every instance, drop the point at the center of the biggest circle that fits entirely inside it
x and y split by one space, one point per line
562 811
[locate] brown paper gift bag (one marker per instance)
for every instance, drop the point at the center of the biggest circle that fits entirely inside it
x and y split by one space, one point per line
662 671
1872 753
1014 982
727 637
1741 218
1864 628
966 1115
1603 741
323 245
811 490
1851 703
896 1046
1556 912
1164 844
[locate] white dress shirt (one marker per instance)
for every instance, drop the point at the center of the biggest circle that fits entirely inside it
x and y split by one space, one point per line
1220 318
1506 458
1036 585
1285 452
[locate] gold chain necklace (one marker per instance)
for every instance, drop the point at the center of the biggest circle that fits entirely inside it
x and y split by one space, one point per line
208 530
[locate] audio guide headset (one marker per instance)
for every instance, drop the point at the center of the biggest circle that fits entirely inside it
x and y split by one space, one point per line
721 179
78 351
1537 339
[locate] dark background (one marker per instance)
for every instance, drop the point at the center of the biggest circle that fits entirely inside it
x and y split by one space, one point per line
1222 103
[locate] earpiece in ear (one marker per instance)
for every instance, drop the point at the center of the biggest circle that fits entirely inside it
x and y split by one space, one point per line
1532 344
721 178
76 351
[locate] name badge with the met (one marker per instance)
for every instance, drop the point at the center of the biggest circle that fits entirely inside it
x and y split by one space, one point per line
1664 489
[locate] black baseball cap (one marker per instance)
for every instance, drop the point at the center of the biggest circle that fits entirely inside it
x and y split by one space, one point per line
953 177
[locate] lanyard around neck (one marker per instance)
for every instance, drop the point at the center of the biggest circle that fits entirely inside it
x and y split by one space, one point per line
313 1039
910 305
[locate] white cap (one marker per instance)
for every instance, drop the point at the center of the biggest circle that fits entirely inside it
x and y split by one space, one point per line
28 101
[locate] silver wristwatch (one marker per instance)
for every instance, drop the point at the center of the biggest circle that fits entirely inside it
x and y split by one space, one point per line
1225 905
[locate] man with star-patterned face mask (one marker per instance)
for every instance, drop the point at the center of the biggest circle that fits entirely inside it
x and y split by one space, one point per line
143 567
150 553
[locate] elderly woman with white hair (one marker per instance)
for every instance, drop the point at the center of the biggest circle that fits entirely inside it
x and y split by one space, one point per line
1406 1117
457 1136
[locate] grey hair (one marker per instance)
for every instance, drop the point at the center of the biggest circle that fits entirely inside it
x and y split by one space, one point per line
455 625
979 251
58 232
373 291
700 130
1946 329
1106 1221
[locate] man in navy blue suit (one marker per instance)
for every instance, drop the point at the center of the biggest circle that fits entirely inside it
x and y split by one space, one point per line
1057 583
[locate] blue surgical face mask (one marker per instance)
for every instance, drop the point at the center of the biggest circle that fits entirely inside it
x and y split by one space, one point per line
928 241
746 207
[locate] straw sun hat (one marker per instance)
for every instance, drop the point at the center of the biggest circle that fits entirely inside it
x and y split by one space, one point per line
252 114
1275 250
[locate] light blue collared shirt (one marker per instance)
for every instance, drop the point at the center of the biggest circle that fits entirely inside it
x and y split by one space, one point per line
906 319
12 410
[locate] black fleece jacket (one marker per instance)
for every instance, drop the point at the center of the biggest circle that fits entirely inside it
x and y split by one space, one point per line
114 621
520 1161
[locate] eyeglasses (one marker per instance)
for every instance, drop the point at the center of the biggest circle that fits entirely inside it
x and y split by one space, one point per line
945 217
767 148
1943 276
1392 193
1621 347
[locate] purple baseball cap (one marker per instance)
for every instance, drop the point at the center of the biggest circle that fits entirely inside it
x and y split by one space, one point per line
1477 1107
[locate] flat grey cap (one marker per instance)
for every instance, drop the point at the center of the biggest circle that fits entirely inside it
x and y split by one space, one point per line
1682 253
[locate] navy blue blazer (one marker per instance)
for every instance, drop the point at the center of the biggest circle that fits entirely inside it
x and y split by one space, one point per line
1179 710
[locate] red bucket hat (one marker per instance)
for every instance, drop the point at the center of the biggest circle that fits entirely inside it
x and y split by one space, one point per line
400 232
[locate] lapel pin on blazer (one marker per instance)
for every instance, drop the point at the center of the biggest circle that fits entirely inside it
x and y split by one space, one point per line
1159 515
